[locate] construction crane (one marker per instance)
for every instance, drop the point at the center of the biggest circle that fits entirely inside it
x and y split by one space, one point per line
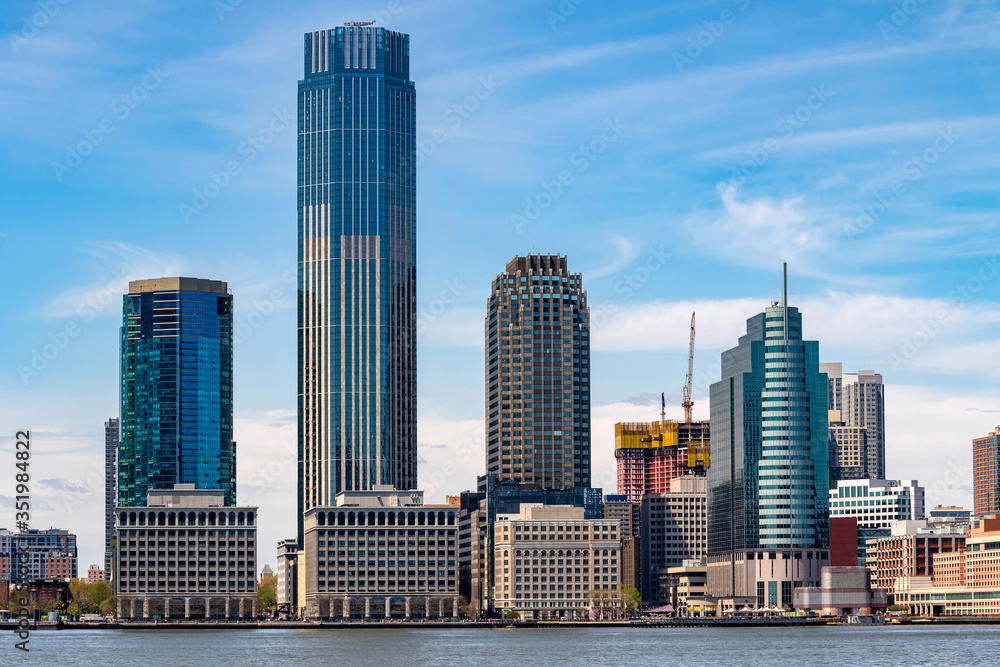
688 403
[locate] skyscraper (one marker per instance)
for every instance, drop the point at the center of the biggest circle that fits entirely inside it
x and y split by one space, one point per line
857 401
767 485
538 375
986 473
357 382
111 442
176 388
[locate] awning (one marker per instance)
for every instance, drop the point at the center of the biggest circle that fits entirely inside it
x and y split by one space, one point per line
665 609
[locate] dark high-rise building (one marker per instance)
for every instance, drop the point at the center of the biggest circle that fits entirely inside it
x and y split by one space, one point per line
111 441
768 482
357 383
538 375
176 389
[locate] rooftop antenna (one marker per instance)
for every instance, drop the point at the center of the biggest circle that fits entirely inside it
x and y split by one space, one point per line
784 296
663 407
784 285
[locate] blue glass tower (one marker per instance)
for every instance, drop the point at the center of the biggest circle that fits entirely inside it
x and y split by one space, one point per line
767 487
357 264
177 388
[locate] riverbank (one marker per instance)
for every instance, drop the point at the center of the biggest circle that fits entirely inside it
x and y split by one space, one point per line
489 625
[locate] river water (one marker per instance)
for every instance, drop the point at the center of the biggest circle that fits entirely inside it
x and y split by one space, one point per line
829 645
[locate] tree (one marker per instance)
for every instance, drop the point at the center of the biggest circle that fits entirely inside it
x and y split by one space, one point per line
511 615
109 607
99 593
267 598
631 599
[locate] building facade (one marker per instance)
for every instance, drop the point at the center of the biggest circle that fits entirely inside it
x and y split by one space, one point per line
877 503
538 375
185 553
357 320
176 388
909 551
95 574
965 582
381 553
768 482
479 513
552 561
674 529
629 517
112 440
37 554
859 400
285 588
842 591
649 455
986 473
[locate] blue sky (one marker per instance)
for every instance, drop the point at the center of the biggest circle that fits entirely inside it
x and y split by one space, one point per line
676 152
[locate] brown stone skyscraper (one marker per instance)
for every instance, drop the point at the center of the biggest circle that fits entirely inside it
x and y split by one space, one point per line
538 375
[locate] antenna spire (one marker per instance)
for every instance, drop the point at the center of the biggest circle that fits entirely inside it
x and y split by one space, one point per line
784 285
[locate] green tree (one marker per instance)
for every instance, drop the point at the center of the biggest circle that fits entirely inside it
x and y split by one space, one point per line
99 593
267 598
511 615
631 599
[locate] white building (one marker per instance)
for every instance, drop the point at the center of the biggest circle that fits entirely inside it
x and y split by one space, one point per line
860 400
877 502
551 561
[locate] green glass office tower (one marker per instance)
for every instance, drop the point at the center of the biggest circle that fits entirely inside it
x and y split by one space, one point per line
357 264
176 388
767 487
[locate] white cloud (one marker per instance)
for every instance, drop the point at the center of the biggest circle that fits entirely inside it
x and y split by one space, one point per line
114 264
452 455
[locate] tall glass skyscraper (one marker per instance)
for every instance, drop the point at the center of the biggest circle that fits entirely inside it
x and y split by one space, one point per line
538 375
768 482
357 384
177 388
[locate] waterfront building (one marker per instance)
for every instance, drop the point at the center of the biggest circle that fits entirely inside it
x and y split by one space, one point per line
176 388
357 354
112 433
908 551
381 553
285 590
842 591
552 561
186 554
95 574
649 455
876 503
37 554
479 512
986 473
964 582
768 482
674 529
679 583
859 398
538 375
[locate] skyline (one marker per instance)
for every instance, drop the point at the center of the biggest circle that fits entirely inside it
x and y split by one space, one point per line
684 235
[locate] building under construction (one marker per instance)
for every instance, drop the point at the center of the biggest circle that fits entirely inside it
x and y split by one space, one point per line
650 454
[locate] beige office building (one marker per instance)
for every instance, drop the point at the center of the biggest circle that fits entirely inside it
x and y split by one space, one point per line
551 561
380 554
185 555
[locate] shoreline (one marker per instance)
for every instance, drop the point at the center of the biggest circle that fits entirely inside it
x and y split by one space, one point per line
453 625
